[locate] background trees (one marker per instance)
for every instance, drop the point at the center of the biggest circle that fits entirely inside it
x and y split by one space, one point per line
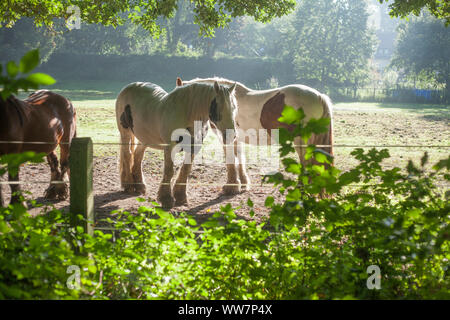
331 42
325 44
423 49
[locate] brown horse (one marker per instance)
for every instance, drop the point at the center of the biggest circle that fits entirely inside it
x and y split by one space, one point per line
44 120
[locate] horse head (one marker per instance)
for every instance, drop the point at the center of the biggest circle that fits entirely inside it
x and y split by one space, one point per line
222 111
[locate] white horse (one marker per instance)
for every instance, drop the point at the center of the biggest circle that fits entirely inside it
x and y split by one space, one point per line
260 109
146 112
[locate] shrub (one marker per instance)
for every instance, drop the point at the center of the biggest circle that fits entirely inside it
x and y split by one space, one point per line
310 247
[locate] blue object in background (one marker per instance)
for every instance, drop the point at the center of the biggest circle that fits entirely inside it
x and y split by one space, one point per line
423 93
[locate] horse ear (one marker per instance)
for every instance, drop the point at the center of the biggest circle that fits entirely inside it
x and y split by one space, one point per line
179 82
216 87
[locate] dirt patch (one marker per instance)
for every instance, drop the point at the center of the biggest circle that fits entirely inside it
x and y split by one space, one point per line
204 192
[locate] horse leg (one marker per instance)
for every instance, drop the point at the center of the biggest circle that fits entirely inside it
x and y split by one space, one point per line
55 175
126 159
138 177
62 189
243 176
232 185
165 192
301 151
179 189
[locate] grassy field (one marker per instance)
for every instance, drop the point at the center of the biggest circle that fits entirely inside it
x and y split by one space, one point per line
407 130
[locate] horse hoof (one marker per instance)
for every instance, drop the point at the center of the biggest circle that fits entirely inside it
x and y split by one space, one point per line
230 190
128 188
140 188
181 200
51 193
166 202
245 187
62 192
245 184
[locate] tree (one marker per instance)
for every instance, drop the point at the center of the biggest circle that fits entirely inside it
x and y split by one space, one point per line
24 36
208 14
331 42
439 8
423 47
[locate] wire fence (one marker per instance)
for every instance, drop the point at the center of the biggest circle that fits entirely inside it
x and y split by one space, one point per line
81 180
388 146
397 94
232 145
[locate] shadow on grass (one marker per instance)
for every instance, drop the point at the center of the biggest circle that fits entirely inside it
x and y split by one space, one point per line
428 112
83 90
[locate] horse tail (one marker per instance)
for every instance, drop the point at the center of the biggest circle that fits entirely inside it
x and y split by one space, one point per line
127 143
326 139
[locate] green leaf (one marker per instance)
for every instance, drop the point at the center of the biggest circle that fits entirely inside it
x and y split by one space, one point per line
320 156
5 94
269 202
12 69
41 78
291 115
29 61
288 115
192 222
424 159
4 228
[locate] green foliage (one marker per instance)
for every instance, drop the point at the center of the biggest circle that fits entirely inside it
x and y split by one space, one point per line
439 8
35 255
163 69
423 49
11 83
11 162
34 251
316 244
331 42
312 41
207 14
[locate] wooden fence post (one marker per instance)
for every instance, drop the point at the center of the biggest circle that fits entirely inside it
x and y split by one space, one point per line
81 186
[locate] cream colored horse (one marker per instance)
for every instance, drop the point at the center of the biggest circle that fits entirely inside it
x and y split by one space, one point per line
146 112
260 109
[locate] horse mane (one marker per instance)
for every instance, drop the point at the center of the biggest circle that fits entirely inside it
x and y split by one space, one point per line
195 96
240 88
38 97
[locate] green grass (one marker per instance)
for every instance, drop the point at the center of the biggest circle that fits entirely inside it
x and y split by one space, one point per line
355 124
416 108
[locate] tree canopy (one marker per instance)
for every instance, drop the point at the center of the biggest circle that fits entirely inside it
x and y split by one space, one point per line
208 14
423 48
331 42
439 8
